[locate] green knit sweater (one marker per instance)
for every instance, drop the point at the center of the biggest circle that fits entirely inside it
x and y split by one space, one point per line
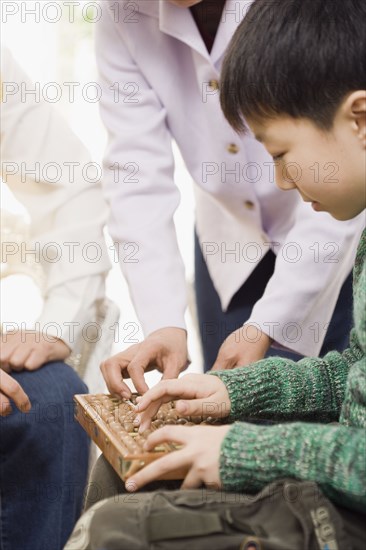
305 397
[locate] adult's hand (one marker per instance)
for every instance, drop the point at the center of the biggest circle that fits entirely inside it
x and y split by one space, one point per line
27 350
11 389
197 394
199 455
242 347
164 350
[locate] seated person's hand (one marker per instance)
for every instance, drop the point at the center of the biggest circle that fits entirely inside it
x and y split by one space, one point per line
10 389
200 455
242 347
165 350
28 350
197 394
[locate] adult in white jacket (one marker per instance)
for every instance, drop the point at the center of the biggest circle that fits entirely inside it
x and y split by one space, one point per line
45 453
50 172
159 63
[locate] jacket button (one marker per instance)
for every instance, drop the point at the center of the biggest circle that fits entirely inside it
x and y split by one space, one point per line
214 84
249 205
233 148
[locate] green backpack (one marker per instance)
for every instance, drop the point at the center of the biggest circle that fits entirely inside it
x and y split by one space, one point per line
286 515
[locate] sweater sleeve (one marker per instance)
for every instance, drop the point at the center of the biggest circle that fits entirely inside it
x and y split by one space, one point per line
332 455
280 389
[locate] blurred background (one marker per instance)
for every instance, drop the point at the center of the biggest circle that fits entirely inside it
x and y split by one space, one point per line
54 42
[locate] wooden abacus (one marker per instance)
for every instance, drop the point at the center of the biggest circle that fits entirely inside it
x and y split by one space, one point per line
110 423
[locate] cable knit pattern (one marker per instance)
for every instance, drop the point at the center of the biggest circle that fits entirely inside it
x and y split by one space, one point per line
331 389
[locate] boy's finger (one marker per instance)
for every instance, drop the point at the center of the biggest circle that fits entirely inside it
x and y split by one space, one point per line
176 434
167 390
145 418
199 407
158 468
192 480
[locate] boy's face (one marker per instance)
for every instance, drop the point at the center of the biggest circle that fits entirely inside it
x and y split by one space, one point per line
328 168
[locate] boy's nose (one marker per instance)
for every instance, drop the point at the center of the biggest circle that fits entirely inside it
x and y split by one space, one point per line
284 179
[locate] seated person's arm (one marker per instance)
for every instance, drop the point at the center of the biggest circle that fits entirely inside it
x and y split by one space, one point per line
72 250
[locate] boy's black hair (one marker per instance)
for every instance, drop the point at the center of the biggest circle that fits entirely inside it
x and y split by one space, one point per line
294 57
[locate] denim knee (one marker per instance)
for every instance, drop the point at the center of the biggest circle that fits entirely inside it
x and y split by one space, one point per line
51 390
55 382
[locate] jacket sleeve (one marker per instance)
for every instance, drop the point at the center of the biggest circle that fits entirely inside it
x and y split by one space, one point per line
139 183
44 164
312 263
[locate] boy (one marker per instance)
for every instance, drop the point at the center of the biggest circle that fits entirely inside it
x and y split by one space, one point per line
294 71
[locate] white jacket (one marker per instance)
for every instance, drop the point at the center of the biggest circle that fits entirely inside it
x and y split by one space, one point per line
67 216
159 82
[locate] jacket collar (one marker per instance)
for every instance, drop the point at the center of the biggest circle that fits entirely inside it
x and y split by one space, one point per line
179 23
233 14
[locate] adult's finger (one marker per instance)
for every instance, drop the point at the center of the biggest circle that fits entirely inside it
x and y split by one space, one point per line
136 370
172 369
12 389
19 356
8 344
5 407
35 359
5 367
223 363
111 370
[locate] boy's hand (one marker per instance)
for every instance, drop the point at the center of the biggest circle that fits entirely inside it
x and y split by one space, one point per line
242 347
164 349
10 389
28 350
197 394
200 455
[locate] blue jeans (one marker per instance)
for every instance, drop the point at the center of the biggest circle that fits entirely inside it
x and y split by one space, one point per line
215 325
44 459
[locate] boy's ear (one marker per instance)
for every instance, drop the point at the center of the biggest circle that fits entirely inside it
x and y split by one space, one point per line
355 109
